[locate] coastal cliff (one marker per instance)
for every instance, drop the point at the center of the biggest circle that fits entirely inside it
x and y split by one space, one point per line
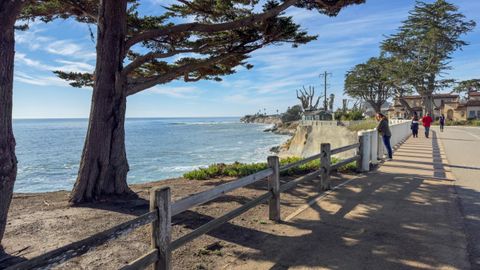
307 140
261 119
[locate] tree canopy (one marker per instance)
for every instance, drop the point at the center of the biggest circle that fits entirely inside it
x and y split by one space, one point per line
370 82
425 42
466 86
219 40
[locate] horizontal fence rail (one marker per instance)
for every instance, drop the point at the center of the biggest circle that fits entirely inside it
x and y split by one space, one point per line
205 228
344 148
162 208
211 194
345 162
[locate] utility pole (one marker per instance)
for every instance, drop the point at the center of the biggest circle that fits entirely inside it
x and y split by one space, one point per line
324 75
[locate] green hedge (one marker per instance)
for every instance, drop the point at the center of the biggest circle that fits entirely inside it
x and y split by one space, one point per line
238 169
471 122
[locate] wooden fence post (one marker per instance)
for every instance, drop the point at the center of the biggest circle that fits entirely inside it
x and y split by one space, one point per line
161 229
274 187
325 166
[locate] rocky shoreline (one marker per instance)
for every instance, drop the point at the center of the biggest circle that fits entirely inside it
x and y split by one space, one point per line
279 127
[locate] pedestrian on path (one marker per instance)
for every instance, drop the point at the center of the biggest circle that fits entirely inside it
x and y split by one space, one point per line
384 131
442 122
426 122
414 125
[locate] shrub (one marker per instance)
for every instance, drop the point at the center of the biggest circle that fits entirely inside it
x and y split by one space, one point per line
364 125
238 169
292 114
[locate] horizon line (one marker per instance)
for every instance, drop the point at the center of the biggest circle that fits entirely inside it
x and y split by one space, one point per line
134 117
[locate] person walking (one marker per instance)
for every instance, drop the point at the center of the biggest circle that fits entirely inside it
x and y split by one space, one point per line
442 122
384 131
427 122
414 125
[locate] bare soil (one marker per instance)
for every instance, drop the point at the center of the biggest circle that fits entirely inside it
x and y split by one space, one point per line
44 221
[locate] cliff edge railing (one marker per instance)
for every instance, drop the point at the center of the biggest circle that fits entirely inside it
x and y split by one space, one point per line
162 209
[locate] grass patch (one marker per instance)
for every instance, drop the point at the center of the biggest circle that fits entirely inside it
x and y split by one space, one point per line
472 122
365 125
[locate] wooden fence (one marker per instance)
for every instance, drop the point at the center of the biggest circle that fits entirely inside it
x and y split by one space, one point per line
162 210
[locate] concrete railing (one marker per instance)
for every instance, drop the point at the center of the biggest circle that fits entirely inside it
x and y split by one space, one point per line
372 146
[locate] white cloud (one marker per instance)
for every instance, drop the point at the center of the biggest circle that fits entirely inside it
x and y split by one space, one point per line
64 65
178 92
40 80
35 39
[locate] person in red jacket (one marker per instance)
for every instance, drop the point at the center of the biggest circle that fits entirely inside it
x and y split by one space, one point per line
426 122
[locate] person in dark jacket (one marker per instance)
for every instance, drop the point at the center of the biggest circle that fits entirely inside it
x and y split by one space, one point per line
384 131
414 125
441 120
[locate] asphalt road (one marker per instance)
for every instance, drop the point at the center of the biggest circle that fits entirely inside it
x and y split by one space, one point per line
462 148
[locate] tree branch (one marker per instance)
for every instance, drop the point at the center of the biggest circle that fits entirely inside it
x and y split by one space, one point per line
209 28
139 61
140 85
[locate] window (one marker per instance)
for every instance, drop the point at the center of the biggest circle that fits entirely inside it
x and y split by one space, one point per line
478 114
471 114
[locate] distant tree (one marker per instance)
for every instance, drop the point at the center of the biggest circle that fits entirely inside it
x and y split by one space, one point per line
370 82
425 43
292 114
135 53
345 104
15 14
472 85
306 98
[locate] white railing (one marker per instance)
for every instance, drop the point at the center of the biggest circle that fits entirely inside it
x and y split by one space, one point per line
372 145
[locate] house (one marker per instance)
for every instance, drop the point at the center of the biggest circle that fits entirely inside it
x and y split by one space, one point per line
451 105
317 115
473 105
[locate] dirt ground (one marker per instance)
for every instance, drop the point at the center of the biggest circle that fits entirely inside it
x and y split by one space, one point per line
41 222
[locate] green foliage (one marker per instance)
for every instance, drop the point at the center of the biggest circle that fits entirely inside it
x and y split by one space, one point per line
468 85
425 42
364 125
238 169
353 115
370 82
77 79
348 168
217 41
470 122
292 114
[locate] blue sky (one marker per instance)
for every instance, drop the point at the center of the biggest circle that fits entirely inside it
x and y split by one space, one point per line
344 41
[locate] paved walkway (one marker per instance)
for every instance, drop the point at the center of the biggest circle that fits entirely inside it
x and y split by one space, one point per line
462 146
403 216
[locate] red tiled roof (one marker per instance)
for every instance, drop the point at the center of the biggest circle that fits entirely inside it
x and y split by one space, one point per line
474 94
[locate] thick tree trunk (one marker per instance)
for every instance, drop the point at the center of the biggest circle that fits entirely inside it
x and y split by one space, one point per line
8 160
103 167
376 106
428 97
428 104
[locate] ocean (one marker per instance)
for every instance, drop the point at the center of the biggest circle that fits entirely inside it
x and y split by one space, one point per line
49 150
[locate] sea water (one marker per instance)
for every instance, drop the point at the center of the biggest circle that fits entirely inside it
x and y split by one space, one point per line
49 150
